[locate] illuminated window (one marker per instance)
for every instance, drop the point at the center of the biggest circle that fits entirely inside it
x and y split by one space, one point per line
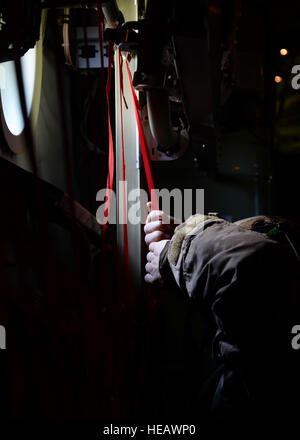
10 99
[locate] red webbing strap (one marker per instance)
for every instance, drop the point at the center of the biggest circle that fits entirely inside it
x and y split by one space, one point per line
110 175
126 254
143 142
122 82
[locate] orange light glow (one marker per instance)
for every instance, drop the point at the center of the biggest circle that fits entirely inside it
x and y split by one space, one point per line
278 79
283 52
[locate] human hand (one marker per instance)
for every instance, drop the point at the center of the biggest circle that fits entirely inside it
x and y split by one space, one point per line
159 226
152 266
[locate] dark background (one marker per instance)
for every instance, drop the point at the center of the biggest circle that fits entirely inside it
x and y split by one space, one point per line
81 340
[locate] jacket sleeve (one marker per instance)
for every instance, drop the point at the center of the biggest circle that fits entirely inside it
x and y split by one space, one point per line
237 275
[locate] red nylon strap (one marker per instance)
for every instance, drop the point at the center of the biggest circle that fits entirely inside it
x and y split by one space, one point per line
126 254
143 142
121 81
110 175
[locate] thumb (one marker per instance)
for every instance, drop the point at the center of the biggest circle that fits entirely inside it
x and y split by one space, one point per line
149 206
